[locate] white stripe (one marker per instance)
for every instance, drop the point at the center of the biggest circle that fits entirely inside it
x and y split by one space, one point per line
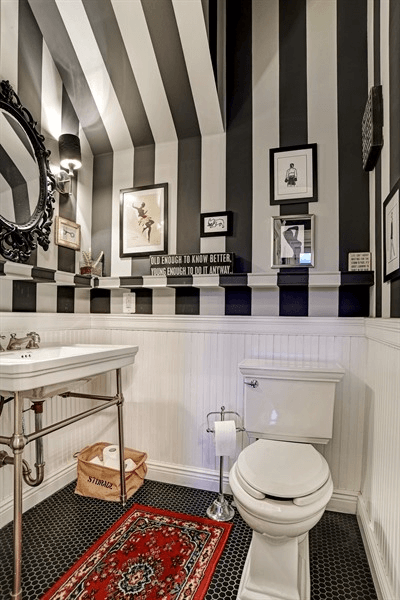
322 128
91 60
135 33
192 30
9 41
51 105
265 124
213 185
84 197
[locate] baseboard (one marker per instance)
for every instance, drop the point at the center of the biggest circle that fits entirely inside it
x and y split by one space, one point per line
343 501
202 479
32 496
378 571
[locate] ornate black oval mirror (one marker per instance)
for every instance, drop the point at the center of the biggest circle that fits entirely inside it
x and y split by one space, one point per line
26 182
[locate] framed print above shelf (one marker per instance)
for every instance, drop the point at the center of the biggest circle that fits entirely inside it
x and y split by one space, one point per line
293 174
292 241
143 220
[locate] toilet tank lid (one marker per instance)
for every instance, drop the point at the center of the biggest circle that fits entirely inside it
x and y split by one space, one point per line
295 368
283 469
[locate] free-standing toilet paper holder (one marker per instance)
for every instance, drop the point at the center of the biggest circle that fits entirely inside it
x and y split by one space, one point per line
220 509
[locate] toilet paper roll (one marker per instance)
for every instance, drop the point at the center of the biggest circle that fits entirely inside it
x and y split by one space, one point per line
111 457
97 461
225 438
129 465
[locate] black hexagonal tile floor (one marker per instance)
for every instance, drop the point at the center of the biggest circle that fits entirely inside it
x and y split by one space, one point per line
60 529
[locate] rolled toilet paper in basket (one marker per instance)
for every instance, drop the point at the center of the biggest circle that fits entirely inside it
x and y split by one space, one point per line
111 456
225 438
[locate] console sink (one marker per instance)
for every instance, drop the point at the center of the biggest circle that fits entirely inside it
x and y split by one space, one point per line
45 371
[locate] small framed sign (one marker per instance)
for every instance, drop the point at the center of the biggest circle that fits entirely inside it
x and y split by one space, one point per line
216 223
359 261
67 233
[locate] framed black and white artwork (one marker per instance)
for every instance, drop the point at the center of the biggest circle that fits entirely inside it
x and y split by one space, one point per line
391 235
293 174
216 223
293 241
143 220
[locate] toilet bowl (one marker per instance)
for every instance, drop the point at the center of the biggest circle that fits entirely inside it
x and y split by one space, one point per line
281 490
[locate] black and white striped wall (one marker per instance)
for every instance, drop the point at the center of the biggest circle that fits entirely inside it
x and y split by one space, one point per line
195 94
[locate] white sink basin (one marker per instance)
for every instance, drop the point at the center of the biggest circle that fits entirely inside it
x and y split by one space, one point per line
46 370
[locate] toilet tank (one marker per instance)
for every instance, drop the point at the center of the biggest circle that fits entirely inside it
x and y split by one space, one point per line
289 400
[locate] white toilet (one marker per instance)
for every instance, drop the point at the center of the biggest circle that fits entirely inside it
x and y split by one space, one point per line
280 483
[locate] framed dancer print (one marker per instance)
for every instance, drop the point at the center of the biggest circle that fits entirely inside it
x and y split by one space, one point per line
293 174
143 220
293 241
391 235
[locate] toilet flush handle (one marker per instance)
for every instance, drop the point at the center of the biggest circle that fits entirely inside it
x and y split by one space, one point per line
253 383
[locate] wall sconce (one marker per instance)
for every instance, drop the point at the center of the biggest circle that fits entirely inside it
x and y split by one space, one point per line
70 159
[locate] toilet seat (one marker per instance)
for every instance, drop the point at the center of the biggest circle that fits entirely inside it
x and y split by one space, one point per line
285 470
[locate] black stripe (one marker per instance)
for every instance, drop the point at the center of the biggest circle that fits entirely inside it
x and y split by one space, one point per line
189 196
378 170
69 124
24 296
167 46
238 301
66 259
43 275
293 127
65 299
102 208
144 301
293 131
239 132
144 165
394 90
67 63
395 299
100 301
187 301
352 96
29 61
293 301
116 60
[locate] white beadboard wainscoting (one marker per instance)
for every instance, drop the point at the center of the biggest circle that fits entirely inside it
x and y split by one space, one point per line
379 506
187 367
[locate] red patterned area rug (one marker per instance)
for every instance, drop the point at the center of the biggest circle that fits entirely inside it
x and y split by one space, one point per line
148 554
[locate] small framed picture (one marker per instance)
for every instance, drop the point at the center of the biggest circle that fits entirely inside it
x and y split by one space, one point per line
293 241
143 220
67 233
391 235
293 174
216 223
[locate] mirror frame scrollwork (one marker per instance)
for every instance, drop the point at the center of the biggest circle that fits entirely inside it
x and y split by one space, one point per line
17 242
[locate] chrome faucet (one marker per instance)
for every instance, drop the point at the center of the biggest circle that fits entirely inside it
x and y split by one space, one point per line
2 337
31 338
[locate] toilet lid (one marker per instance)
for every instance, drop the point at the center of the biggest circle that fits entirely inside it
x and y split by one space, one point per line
283 469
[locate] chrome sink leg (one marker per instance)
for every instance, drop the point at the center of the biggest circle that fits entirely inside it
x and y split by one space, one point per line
17 446
120 406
